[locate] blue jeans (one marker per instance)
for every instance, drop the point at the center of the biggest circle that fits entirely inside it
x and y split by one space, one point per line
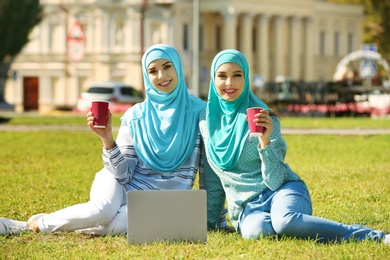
288 210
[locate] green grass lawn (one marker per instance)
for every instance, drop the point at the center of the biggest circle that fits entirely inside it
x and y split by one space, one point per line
287 122
348 177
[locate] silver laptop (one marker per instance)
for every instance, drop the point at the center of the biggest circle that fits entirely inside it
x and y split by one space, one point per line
166 215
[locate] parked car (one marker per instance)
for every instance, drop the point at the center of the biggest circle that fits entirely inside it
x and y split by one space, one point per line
119 95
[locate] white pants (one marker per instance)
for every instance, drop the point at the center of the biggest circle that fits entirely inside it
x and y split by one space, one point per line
107 200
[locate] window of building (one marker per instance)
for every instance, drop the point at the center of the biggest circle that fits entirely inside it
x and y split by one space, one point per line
186 41
322 43
218 38
351 46
239 36
336 44
201 38
254 37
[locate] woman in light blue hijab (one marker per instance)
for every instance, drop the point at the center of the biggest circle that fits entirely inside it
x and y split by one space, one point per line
164 126
264 196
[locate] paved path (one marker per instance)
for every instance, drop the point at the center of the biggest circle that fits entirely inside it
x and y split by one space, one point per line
361 131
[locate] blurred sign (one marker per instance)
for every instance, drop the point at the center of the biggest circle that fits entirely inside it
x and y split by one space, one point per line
76 38
368 66
76 32
76 50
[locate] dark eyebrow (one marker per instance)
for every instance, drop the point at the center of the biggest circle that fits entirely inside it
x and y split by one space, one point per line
237 71
168 62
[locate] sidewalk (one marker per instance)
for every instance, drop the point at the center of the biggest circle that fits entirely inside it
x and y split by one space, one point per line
286 131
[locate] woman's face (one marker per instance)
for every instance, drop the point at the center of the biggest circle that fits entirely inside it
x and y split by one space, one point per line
229 81
162 74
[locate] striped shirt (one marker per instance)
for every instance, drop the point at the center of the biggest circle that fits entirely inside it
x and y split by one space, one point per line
129 170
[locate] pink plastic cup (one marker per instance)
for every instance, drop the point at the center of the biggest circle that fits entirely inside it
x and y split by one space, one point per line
254 130
100 112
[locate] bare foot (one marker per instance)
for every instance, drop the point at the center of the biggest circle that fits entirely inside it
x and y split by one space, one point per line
33 225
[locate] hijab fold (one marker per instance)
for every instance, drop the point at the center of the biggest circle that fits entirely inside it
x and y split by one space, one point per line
164 126
226 120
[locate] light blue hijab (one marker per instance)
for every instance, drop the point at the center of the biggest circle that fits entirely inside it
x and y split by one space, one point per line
164 126
226 123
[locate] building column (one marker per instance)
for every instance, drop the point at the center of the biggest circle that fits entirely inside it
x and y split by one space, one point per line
308 54
45 94
98 29
111 31
148 33
246 40
128 30
279 62
133 31
90 37
64 33
178 27
294 61
165 28
117 27
262 41
104 30
229 28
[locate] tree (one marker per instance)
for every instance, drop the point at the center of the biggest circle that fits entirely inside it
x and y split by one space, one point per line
382 36
17 19
376 24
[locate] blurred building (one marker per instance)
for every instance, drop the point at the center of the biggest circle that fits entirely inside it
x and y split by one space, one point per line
299 39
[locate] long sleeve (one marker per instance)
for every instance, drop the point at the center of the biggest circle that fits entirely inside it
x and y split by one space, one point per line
122 160
201 179
273 168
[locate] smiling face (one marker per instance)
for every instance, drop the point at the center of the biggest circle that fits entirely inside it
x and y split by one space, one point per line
229 81
162 74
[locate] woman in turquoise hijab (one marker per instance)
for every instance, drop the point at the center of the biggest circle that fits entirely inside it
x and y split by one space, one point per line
264 196
158 147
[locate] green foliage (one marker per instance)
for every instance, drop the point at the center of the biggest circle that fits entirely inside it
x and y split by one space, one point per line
48 170
382 37
17 19
377 23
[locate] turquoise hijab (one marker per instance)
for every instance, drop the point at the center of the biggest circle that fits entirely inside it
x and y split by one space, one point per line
226 123
164 126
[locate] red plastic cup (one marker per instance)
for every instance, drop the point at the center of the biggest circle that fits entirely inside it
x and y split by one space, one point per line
100 112
254 130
